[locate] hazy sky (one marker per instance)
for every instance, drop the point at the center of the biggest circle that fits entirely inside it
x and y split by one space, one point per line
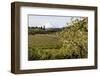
48 21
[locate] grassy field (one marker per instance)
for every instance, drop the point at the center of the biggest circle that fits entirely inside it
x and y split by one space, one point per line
44 41
43 46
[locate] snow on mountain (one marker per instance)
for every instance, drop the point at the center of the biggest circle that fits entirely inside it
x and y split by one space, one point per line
48 25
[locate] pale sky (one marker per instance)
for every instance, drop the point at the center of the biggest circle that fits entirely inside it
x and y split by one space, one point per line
48 21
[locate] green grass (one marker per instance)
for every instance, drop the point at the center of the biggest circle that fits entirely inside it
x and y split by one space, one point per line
43 46
44 41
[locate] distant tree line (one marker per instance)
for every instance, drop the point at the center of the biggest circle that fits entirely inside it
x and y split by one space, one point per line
42 30
36 27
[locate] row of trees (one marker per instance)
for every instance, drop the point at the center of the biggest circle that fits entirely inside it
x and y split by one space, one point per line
36 27
42 30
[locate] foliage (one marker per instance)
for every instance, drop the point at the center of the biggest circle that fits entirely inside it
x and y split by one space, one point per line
75 38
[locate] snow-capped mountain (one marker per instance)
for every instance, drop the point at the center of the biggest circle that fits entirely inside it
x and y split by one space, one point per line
48 25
